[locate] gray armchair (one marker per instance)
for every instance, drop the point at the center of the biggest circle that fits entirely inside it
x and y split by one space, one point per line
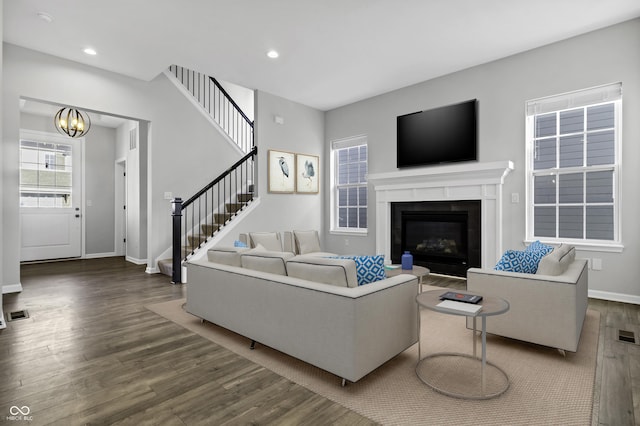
544 309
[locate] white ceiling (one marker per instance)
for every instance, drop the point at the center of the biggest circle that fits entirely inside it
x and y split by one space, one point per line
332 52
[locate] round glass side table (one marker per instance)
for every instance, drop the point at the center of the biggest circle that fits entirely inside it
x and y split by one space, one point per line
462 375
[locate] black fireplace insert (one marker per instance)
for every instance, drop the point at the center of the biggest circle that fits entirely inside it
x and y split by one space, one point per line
443 236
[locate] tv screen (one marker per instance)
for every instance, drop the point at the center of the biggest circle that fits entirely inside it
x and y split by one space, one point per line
440 135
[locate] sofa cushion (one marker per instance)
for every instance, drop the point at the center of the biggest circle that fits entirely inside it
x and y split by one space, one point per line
306 241
557 262
519 261
369 269
269 240
333 271
274 262
226 255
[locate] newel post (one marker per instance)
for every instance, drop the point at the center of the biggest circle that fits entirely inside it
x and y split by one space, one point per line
176 213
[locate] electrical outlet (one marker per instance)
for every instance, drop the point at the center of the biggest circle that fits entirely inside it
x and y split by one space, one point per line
168 196
515 198
597 264
346 241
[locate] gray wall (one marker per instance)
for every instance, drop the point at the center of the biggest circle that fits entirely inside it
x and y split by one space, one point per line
302 132
99 157
502 88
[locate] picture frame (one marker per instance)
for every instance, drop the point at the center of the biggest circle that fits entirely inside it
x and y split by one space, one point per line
281 171
308 174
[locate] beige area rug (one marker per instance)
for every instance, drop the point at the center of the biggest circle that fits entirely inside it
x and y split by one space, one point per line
545 388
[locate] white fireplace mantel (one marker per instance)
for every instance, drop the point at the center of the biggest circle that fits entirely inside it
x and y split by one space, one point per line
464 181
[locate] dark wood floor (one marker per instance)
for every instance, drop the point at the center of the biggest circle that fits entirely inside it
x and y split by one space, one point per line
90 353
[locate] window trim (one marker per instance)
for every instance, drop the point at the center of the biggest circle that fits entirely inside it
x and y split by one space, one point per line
611 93
335 145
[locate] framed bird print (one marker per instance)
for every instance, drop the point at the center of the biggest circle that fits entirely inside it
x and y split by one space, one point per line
281 171
307 173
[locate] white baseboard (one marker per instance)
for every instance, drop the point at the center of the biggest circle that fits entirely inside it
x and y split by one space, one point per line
3 321
11 288
136 261
152 270
614 297
100 255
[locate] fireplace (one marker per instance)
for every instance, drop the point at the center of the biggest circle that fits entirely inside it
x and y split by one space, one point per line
479 181
443 236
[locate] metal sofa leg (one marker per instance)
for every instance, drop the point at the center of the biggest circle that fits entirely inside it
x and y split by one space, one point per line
253 345
344 382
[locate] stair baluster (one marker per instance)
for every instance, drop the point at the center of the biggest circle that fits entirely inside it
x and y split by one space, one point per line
213 98
192 227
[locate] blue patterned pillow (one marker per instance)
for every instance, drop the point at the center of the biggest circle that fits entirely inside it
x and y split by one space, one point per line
520 261
238 243
368 268
538 246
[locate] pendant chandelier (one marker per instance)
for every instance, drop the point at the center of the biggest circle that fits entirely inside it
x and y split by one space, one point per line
72 122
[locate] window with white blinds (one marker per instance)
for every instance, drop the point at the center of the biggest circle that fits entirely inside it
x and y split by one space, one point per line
573 149
349 201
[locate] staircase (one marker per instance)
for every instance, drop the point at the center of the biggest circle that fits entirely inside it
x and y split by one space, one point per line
197 221
217 104
209 217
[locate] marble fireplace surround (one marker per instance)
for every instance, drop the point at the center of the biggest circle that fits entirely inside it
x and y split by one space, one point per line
464 181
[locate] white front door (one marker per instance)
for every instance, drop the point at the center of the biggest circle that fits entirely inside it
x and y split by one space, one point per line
50 196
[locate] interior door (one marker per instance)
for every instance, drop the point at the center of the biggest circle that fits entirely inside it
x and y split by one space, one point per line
50 197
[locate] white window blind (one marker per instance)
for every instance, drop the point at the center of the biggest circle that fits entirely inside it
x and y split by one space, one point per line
580 98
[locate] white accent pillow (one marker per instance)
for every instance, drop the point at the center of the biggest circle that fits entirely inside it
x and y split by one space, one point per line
307 241
269 240
557 262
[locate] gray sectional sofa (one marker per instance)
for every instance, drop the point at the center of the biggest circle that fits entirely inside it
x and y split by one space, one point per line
308 307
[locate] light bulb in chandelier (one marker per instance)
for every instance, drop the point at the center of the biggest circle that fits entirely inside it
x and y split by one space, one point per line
72 122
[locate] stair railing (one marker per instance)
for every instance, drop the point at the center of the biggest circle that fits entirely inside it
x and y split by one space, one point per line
203 215
218 104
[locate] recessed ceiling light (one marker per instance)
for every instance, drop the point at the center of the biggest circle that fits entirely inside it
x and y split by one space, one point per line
273 54
90 51
45 17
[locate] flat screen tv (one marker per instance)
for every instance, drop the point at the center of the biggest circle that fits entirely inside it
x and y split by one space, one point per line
440 135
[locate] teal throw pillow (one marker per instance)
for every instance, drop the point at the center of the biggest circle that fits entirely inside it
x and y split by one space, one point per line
238 243
538 246
368 268
520 261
